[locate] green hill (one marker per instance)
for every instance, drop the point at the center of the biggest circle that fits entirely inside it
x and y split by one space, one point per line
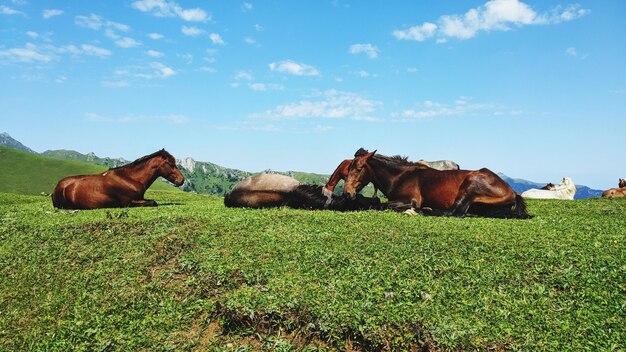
27 173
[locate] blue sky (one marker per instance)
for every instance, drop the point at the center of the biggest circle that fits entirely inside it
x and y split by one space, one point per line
533 89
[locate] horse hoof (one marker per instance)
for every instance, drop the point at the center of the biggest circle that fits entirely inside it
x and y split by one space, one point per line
410 212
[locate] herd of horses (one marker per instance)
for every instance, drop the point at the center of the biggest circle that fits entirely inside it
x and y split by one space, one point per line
437 188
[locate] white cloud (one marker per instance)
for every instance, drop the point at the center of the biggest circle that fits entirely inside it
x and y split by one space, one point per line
208 69
249 40
127 42
411 70
370 50
462 106
30 53
216 38
32 34
175 119
5 10
92 21
115 84
259 28
162 8
49 13
294 68
265 86
243 75
321 128
493 15
571 51
152 71
419 33
246 6
89 49
154 53
155 36
161 70
331 104
191 31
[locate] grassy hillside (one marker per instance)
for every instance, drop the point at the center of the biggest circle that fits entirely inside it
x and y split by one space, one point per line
26 173
194 275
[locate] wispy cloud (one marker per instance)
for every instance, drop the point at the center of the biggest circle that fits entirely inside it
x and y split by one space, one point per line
293 68
49 13
174 119
155 36
571 51
32 53
463 106
330 104
154 70
115 84
370 50
111 29
162 8
246 7
5 10
154 53
494 15
216 39
191 31
265 86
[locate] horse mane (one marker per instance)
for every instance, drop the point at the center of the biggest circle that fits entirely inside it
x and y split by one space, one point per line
143 159
395 159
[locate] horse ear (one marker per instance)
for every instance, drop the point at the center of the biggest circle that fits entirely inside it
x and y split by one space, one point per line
369 155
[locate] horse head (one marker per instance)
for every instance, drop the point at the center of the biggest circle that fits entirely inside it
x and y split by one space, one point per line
167 168
622 182
358 173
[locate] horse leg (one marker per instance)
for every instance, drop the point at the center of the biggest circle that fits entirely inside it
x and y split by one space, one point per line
143 203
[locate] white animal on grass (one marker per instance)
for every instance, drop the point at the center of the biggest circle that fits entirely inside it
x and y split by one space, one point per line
566 190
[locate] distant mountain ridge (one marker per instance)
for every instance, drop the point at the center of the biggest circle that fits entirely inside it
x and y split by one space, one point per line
209 178
7 141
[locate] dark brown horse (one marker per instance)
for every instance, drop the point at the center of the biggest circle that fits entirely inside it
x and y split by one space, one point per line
341 172
119 187
450 192
275 190
622 183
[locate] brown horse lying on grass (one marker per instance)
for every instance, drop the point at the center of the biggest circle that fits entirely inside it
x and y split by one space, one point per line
275 190
118 187
616 192
434 192
341 172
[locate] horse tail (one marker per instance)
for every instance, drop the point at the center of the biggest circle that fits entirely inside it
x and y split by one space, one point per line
307 196
58 196
228 201
515 211
519 208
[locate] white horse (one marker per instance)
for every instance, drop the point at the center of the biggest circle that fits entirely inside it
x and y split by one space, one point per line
566 190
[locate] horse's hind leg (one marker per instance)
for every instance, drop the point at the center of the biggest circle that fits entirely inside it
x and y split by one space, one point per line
143 203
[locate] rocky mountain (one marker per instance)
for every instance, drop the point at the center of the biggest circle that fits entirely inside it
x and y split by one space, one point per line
89 157
7 141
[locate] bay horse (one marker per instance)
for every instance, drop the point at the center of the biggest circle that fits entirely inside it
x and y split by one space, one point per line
565 190
616 192
118 187
275 190
435 192
341 172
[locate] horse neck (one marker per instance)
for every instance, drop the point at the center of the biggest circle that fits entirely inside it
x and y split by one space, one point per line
338 175
384 174
144 173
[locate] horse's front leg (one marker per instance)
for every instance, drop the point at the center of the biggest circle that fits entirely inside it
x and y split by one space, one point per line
143 203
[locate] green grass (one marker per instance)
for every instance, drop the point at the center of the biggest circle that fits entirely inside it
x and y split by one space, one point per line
27 173
194 275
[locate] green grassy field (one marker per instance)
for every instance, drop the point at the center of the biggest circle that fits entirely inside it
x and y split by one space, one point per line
27 173
194 275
